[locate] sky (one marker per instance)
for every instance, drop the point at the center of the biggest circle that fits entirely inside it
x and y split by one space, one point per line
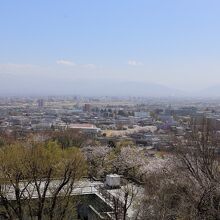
50 45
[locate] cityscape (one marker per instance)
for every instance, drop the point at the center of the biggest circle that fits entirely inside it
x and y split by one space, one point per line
124 140
110 110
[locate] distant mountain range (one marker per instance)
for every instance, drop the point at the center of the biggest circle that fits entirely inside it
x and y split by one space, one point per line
87 88
213 91
116 88
11 85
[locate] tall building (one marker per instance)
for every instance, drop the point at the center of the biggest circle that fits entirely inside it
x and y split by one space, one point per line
40 103
87 107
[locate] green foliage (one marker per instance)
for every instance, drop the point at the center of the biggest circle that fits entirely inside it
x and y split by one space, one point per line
125 143
69 138
2 142
46 168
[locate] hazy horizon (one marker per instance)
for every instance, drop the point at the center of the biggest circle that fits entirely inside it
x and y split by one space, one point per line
50 46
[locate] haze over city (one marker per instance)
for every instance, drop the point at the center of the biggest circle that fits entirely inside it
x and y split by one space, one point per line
89 47
110 110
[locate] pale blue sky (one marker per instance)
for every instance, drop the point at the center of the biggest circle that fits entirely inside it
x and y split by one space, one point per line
170 42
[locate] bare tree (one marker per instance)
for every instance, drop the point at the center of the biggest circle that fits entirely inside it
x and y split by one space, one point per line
121 200
39 180
191 188
198 157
